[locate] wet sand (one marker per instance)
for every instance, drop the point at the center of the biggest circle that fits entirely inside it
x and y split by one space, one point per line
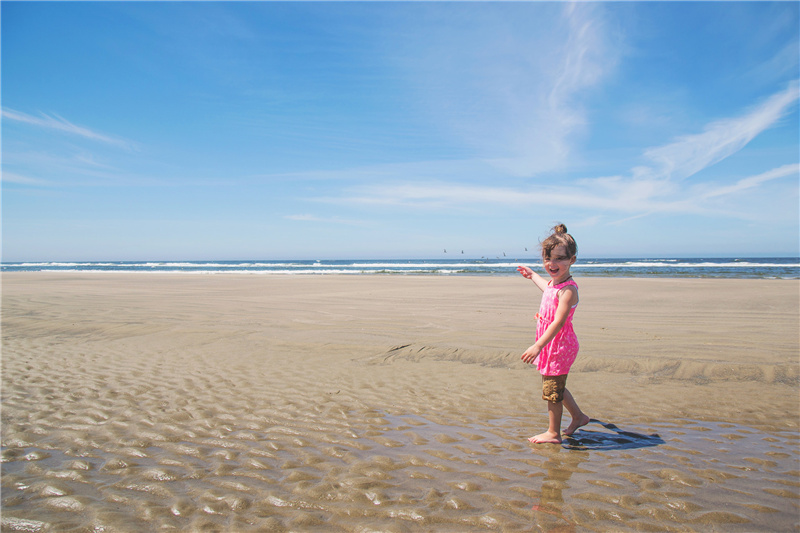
142 402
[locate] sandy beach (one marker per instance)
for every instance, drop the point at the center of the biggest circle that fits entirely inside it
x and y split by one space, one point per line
144 402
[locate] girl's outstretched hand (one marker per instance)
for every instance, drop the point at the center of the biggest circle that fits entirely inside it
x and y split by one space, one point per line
525 271
531 354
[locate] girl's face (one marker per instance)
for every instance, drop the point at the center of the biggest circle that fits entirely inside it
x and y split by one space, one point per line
557 264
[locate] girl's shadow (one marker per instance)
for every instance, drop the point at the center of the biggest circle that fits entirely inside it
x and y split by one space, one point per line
616 439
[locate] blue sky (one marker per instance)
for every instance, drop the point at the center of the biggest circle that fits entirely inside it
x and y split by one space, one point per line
305 130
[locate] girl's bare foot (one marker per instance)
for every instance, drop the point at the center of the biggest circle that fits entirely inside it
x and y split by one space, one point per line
576 423
545 438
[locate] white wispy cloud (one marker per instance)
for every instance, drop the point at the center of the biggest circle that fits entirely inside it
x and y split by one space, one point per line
693 153
58 123
516 101
754 181
661 186
583 60
552 118
619 200
324 220
12 177
448 196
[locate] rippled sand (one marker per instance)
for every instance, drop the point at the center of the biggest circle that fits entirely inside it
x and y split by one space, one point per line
134 402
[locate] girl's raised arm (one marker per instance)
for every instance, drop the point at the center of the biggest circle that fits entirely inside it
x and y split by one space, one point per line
531 275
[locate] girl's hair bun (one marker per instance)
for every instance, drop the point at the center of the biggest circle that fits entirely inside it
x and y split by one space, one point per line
559 236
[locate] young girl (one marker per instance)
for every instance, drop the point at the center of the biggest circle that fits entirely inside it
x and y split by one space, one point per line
556 344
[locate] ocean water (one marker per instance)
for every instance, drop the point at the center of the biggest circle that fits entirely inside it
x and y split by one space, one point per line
767 268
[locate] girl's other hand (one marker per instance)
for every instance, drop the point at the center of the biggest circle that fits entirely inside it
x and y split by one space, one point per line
531 354
525 271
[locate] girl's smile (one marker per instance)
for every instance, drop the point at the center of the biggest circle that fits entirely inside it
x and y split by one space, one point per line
557 264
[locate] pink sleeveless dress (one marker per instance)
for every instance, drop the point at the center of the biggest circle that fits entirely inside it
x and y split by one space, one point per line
557 357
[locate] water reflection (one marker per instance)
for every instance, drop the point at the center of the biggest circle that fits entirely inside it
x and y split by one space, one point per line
550 507
549 511
615 439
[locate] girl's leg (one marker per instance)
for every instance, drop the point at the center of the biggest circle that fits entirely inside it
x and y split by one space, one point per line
578 418
553 433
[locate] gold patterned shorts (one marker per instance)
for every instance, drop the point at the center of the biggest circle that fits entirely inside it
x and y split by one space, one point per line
553 388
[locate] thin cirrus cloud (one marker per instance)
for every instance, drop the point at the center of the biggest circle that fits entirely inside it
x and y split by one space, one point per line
530 110
692 153
656 187
58 123
754 181
324 220
13 177
641 200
